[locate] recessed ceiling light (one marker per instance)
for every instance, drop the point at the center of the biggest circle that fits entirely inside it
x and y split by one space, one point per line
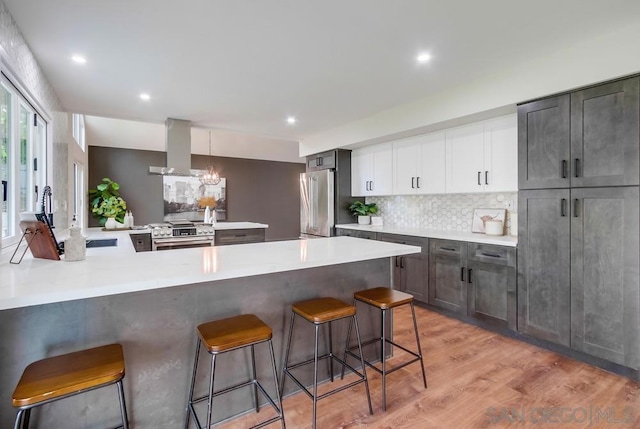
423 58
78 59
144 96
291 120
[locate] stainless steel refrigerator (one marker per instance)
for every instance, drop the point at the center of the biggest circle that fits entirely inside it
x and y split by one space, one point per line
316 203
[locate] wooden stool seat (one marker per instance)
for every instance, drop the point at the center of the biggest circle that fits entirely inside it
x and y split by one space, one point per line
322 310
238 331
59 376
383 297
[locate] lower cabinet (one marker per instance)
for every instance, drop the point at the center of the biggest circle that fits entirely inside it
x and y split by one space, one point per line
369 235
239 236
411 272
477 280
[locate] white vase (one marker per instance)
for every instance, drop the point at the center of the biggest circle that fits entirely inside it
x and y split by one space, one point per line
111 223
364 220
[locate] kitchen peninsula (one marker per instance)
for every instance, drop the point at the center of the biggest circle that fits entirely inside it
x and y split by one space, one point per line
151 302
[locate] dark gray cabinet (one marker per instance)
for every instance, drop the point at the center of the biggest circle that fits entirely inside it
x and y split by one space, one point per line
544 264
411 272
322 161
447 274
543 143
239 236
587 138
491 284
370 235
605 134
605 286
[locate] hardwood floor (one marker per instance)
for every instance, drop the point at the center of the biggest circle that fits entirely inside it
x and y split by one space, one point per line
477 379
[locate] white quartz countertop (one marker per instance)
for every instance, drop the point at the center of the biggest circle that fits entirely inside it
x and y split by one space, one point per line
504 240
116 270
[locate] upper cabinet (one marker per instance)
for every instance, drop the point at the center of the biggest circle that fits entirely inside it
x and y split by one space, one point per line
322 161
482 157
584 139
419 165
371 170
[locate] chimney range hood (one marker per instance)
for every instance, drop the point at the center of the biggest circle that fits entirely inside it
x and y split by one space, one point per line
178 148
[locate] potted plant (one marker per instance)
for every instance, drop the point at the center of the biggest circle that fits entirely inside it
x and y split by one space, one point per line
106 202
363 211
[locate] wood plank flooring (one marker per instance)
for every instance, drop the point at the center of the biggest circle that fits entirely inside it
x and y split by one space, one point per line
477 379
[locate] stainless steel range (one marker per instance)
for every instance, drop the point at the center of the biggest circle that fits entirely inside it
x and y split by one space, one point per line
181 234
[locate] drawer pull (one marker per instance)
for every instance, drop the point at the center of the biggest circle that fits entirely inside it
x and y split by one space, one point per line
491 255
240 235
448 249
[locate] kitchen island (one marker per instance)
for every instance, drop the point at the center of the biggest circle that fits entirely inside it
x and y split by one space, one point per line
151 303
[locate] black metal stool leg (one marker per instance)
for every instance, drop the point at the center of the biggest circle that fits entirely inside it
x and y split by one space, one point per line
364 368
415 327
315 375
210 399
346 348
123 405
255 378
383 358
330 352
275 383
193 383
19 419
286 353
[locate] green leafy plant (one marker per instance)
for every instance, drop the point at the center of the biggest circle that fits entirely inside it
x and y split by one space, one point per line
106 202
358 208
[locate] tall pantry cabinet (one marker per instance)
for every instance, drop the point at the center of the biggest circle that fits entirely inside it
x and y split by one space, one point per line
578 245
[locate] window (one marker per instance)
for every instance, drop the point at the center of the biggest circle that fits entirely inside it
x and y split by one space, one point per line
78 129
22 159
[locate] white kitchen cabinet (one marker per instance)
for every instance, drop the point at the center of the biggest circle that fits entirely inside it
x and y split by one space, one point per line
419 165
371 170
482 157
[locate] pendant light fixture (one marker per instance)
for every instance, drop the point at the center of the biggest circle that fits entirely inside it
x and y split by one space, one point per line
211 176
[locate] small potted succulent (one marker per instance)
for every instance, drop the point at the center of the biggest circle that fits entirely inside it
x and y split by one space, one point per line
363 211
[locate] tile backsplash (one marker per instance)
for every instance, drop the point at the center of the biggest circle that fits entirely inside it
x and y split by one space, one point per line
451 212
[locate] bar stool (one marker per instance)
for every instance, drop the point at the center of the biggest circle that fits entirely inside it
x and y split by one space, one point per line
67 375
320 311
226 335
385 298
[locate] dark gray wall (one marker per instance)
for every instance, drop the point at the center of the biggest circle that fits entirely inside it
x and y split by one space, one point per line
257 191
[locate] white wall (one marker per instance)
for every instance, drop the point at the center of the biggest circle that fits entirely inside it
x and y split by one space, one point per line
598 59
120 133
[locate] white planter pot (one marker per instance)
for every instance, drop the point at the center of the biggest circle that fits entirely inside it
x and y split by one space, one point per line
111 223
364 220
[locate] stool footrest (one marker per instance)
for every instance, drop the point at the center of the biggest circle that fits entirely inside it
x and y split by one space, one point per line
378 370
361 376
416 356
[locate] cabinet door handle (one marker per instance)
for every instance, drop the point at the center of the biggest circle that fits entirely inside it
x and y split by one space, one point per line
397 259
576 167
491 255
563 207
486 177
469 275
413 186
461 274
402 262
575 207
564 168
479 174
418 182
366 185
371 185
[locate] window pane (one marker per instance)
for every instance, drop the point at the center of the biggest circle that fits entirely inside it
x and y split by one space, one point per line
24 157
5 153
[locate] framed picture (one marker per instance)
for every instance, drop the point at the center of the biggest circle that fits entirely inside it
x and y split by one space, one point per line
187 198
481 216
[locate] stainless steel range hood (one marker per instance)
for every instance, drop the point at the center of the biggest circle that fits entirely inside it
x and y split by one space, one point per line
178 147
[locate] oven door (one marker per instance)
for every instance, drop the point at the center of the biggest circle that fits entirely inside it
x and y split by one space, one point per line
181 243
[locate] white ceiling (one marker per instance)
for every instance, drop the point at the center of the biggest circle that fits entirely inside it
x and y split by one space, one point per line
245 65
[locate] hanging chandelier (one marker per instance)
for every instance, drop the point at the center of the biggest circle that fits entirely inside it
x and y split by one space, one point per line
210 177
